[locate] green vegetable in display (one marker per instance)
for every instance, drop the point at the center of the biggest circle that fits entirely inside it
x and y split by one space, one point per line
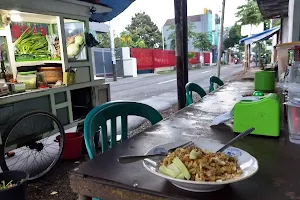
73 50
79 40
33 44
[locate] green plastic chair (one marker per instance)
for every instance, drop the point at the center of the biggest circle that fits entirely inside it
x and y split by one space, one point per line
193 87
98 116
212 81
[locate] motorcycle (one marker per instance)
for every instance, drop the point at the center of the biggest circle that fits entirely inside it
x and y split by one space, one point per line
236 61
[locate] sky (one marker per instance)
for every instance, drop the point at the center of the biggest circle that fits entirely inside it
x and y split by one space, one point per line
161 10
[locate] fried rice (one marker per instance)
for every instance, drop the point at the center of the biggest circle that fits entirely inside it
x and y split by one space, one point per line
208 166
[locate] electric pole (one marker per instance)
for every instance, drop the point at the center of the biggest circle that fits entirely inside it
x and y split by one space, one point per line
220 44
112 47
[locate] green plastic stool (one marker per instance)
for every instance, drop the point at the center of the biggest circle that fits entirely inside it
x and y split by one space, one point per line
212 81
193 87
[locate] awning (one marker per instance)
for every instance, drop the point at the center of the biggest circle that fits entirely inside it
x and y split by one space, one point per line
260 36
117 6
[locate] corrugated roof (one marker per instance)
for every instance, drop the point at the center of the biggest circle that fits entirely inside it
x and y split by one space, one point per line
273 8
194 18
117 6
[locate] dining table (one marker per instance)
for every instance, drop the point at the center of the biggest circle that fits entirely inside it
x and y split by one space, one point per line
278 177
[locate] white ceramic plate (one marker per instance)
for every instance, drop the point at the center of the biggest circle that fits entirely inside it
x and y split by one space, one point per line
247 163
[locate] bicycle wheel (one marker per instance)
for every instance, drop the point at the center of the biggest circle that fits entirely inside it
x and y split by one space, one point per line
33 140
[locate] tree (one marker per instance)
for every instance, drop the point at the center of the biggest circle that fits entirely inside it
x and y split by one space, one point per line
249 13
126 40
143 29
276 22
103 39
233 37
202 42
172 35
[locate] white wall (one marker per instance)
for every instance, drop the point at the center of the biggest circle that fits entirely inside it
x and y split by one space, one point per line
294 20
101 27
130 67
285 30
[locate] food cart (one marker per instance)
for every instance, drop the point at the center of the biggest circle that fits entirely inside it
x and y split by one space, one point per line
46 80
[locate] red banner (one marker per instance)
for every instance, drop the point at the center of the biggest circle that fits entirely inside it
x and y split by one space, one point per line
149 59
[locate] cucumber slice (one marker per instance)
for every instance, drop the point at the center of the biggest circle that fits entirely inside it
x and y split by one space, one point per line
166 171
182 168
180 176
174 168
194 154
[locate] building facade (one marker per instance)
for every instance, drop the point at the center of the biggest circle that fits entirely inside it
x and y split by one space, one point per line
206 23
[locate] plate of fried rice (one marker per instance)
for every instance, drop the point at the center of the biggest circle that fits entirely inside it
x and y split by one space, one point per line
199 168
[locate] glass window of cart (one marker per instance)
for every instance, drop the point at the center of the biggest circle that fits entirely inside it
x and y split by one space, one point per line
4 60
35 38
75 40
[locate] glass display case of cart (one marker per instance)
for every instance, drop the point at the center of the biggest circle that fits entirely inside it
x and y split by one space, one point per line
35 41
5 70
75 41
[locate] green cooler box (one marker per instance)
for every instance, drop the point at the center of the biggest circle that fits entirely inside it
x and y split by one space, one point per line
263 115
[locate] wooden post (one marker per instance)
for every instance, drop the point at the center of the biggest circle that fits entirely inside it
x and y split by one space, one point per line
180 7
259 56
249 56
246 58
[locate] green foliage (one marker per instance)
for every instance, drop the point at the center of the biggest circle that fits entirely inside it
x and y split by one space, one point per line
267 24
249 13
191 55
172 35
144 32
103 39
276 22
201 42
234 37
126 40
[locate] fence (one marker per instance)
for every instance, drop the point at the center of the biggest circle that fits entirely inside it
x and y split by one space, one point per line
102 62
149 59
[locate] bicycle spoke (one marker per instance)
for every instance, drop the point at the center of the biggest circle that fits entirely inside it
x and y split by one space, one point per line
36 132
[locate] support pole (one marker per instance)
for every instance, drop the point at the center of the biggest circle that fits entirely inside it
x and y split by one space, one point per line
259 55
221 39
181 28
112 47
163 38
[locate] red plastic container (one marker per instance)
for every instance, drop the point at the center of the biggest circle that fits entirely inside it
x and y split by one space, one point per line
73 146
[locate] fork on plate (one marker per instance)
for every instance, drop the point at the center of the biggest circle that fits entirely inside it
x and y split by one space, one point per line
130 159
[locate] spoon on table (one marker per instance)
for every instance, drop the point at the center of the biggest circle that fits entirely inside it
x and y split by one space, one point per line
237 138
131 159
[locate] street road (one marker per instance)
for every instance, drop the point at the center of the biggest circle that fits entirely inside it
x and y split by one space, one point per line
150 85
160 91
